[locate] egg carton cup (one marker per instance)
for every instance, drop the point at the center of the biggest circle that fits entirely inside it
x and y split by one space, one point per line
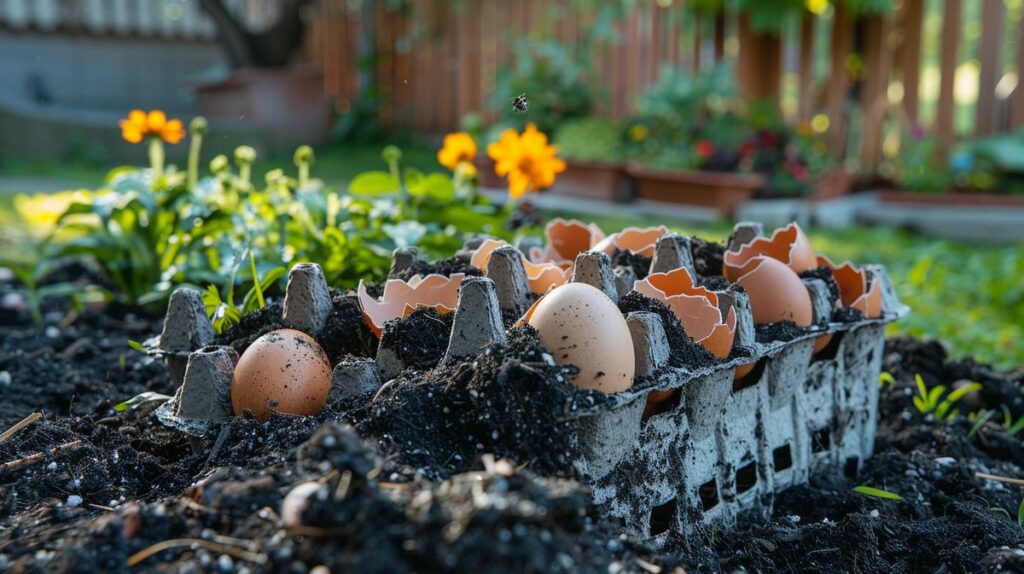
203 371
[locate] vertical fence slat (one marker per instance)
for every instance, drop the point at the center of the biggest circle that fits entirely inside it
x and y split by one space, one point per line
839 78
910 55
948 54
805 72
990 56
1017 98
760 62
874 99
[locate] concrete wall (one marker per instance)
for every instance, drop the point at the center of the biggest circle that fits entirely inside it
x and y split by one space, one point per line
82 72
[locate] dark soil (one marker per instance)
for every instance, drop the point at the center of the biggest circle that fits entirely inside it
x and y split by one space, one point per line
825 274
421 339
640 264
685 351
419 483
779 331
707 257
446 267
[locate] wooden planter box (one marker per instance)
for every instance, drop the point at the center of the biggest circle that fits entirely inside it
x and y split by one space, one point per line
722 191
962 199
593 180
833 184
485 169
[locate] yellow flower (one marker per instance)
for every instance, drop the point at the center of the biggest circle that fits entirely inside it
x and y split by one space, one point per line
458 148
638 133
527 159
140 125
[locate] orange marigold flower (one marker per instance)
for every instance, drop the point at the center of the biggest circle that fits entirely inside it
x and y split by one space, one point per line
140 125
527 159
458 148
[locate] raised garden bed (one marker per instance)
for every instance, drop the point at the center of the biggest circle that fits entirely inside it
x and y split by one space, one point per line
718 190
593 180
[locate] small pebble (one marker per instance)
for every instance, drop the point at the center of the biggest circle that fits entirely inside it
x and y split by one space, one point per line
51 467
945 461
873 513
225 563
74 500
52 332
5 378
321 569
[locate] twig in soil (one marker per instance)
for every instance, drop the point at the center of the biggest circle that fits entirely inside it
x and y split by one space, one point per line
20 425
37 457
998 478
142 555
221 437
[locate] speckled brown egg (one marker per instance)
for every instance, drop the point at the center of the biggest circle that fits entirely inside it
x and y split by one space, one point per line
579 325
284 371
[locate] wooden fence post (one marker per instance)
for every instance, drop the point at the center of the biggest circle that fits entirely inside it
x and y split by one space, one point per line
805 91
839 84
760 62
874 95
1017 99
990 56
948 53
910 55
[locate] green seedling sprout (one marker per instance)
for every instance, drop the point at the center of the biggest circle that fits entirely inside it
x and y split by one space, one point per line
876 492
1012 427
936 402
885 379
140 400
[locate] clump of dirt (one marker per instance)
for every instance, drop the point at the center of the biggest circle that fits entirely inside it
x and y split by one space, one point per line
685 351
847 315
346 331
707 257
714 283
511 400
446 267
825 274
421 339
640 264
778 331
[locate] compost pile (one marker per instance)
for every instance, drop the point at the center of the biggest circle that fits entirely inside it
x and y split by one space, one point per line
457 468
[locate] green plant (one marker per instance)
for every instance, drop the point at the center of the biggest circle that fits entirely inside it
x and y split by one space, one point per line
917 166
1012 427
936 402
885 379
222 311
876 492
590 139
1020 513
33 272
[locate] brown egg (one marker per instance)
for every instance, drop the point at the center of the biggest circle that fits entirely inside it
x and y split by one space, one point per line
776 292
284 371
579 325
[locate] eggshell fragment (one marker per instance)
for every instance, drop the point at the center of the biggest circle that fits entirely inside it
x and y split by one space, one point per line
401 297
776 292
788 245
695 307
854 291
284 371
579 325
540 276
639 240
566 240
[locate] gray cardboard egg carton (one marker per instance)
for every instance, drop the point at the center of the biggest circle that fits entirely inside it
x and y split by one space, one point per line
719 449
711 454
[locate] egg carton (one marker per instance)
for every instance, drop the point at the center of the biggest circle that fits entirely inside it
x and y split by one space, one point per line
716 450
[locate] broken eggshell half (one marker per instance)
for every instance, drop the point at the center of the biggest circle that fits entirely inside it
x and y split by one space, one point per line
696 308
855 290
400 298
565 240
787 244
579 325
639 240
776 292
540 276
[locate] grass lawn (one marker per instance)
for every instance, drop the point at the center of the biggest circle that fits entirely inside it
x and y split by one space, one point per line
970 297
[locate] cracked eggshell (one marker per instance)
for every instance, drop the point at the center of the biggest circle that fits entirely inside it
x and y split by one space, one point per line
566 240
776 292
854 290
579 325
284 371
400 297
639 240
540 276
788 244
696 308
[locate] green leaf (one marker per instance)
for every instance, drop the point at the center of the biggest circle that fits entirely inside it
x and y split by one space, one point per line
886 378
980 422
139 400
922 390
374 183
256 287
271 277
1020 513
137 346
877 492
436 186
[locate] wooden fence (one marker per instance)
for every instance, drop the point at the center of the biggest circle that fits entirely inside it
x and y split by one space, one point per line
437 62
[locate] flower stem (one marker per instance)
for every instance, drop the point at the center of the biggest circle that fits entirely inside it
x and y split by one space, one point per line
156 157
193 160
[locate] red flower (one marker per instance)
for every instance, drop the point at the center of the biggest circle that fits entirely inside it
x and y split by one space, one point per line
705 149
